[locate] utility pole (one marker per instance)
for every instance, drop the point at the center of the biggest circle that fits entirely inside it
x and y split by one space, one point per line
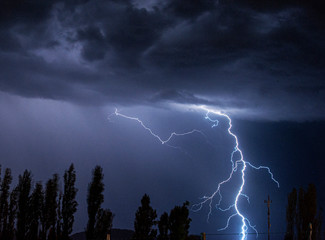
268 201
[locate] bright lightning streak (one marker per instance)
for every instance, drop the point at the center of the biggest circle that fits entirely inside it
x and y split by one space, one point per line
235 164
173 134
240 163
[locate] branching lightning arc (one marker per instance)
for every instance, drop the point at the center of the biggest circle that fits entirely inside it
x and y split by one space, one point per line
238 165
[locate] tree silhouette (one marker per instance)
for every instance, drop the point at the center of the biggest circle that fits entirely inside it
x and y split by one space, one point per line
179 222
307 209
69 203
318 224
302 210
4 204
163 226
9 235
144 221
59 223
31 213
24 188
291 215
34 213
50 207
103 224
300 215
94 199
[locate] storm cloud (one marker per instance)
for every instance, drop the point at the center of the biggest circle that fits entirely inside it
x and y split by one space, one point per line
263 58
66 64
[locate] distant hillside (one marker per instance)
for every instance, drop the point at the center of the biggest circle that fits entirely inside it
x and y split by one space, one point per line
117 234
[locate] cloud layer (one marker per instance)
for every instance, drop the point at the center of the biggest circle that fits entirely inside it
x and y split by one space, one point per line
263 58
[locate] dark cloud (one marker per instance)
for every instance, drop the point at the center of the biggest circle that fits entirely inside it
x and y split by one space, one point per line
278 5
94 43
240 52
8 42
65 65
178 96
205 43
24 12
189 9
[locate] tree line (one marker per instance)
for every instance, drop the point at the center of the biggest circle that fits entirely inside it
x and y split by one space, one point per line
33 211
45 212
36 211
304 217
174 226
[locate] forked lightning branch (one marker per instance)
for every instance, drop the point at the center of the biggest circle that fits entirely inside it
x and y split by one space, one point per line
238 163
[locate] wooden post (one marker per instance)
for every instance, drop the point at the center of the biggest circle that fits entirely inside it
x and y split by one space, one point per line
310 230
268 201
108 236
203 236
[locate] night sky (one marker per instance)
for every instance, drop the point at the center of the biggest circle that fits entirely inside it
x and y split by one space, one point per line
66 65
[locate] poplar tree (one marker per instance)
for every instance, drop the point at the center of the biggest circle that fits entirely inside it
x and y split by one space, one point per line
103 225
59 218
0 211
179 222
24 188
69 203
163 226
35 211
95 198
310 210
306 212
302 211
4 204
9 235
50 207
318 224
291 215
145 221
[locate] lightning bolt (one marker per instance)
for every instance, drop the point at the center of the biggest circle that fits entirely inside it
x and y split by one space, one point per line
173 134
238 165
